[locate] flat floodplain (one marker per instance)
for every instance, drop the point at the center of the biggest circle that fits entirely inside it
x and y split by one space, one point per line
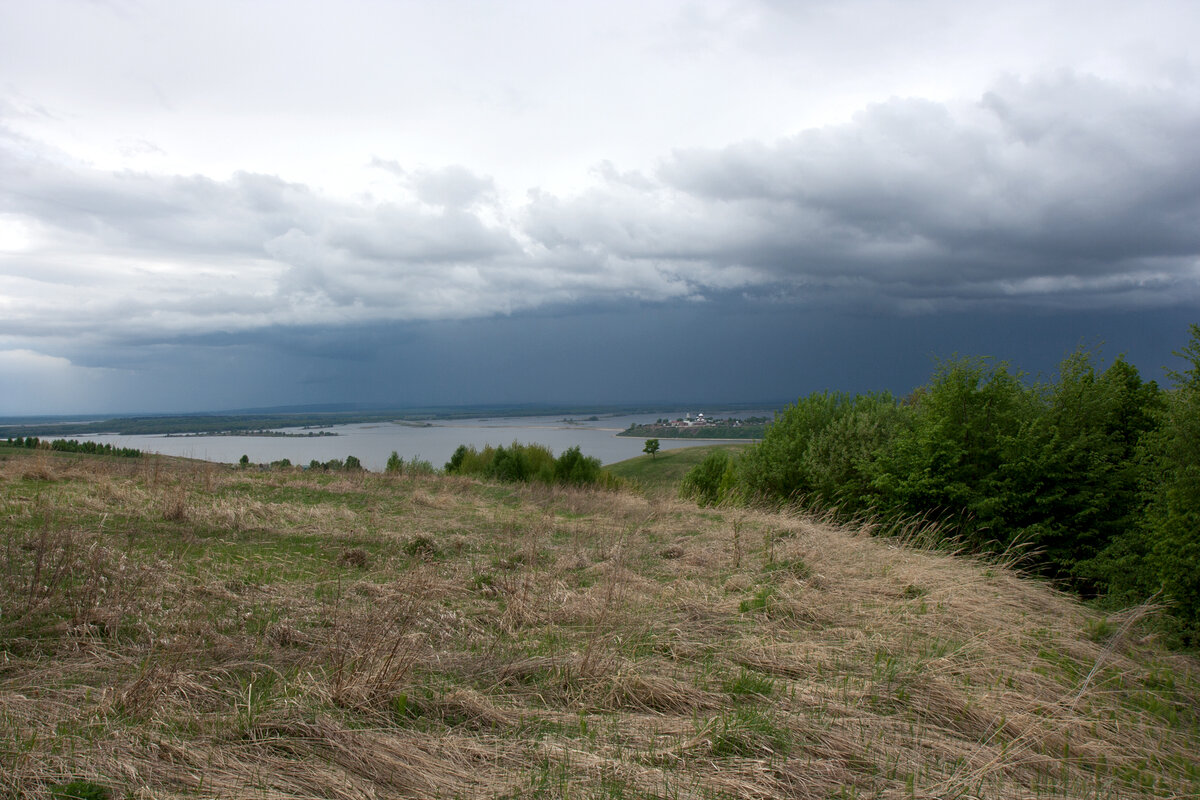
176 629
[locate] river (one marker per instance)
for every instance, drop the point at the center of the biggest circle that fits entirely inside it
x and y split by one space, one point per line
373 442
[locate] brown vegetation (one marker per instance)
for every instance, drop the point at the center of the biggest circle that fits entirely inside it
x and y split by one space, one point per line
173 629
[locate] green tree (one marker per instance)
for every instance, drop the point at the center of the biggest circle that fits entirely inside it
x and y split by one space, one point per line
1071 482
823 448
574 468
244 460
651 447
459 457
395 464
711 481
946 463
1171 546
352 464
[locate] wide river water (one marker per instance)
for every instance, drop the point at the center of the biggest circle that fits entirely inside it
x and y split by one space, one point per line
373 442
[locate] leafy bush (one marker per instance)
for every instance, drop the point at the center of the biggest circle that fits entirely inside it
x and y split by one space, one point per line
1093 475
824 448
712 481
528 462
575 468
1163 552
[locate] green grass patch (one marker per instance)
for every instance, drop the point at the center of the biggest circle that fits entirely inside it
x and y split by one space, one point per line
665 471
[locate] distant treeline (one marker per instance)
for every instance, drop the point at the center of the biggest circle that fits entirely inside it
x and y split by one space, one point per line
73 446
199 424
267 420
1093 476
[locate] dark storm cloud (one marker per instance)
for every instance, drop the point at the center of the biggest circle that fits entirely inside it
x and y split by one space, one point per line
1060 191
1069 193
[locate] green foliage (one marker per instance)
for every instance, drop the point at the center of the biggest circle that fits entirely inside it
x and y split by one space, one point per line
528 462
573 467
712 481
419 466
823 449
1167 555
946 462
1072 482
80 790
244 460
750 733
351 464
667 472
651 447
522 463
92 448
457 460
395 464
1094 476
749 685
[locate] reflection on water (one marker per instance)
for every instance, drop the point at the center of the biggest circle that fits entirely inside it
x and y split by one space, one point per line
373 442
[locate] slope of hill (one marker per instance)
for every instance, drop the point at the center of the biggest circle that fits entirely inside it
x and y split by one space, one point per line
187 630
663 471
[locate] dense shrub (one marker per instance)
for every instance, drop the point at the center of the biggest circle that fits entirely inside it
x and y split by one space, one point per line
528 462
575 468
712 481
823 449
1162 553
1093 475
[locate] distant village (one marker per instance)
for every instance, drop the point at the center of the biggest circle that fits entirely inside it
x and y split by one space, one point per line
701 426
688 421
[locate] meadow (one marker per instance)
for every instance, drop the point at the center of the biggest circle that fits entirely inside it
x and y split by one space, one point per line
185 629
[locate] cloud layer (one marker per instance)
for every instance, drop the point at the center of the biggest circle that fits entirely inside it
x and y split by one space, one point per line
178 189
1064 191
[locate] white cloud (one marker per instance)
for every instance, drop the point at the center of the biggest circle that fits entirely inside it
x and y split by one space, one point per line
1038 192
390 162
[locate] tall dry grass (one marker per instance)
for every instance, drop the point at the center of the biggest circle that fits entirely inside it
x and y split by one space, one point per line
289 635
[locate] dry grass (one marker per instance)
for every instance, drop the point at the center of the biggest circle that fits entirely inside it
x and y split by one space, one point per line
177 630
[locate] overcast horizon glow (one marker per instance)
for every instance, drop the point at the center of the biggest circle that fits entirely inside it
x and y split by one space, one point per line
221 205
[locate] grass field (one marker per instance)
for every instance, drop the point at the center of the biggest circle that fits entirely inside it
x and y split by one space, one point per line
663 471
184 630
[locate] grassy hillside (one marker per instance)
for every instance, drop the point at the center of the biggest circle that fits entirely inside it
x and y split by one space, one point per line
187 630
664 471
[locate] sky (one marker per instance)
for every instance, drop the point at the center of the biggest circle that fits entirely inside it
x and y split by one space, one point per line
211 205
